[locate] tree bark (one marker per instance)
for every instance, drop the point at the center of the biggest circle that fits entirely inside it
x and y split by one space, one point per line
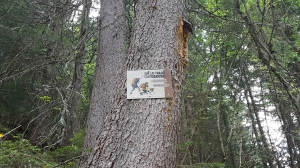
144 132
110 62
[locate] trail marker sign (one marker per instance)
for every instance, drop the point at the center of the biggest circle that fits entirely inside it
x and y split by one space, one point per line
149 84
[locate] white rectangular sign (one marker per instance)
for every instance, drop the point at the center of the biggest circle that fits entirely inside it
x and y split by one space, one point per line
149 84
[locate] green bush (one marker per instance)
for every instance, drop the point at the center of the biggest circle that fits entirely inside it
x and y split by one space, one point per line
20 154
78 139
65 153
71 152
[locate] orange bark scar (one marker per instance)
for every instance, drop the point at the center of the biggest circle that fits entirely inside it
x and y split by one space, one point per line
183 35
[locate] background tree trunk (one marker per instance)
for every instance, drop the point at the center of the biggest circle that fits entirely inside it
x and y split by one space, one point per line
110 62
144 132
74 94
42 122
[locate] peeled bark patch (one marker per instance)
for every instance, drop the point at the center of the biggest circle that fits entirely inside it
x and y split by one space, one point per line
184 30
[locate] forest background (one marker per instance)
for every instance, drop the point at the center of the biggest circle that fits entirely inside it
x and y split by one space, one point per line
240 102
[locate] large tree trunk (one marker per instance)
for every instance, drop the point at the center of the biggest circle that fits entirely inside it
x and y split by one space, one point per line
110 62
144 132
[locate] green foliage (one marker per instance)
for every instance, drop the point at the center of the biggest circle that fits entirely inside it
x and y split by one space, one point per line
65 153
38 48
14 104
78 139
87 85
71 152
189 143
45 98
19 154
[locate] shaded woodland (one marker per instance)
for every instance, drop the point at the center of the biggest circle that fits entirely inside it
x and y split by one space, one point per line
239 103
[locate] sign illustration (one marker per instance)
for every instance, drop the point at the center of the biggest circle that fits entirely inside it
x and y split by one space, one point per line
149 84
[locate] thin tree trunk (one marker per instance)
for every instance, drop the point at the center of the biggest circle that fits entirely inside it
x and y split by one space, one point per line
261 137
253 124
286 127
287 123
227 129
74 97
269 154
144 132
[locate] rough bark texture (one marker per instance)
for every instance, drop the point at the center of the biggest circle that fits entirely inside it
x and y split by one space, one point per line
110 62
144 132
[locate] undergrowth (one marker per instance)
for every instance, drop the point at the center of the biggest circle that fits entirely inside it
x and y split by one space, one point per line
20 153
